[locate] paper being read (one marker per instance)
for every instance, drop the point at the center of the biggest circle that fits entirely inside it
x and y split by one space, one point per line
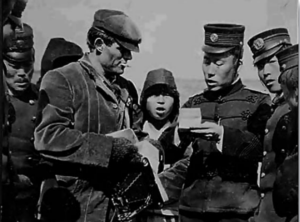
189 118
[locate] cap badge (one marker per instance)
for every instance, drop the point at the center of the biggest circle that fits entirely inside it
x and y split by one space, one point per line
214 37
258 44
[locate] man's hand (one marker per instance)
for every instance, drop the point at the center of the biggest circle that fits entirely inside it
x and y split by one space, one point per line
209 130
146 149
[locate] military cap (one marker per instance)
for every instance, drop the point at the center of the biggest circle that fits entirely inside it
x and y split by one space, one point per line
268 43
59 51
18 43
288 58
222 37
119 26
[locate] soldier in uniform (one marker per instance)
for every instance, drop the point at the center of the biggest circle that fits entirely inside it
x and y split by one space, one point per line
80 104
285 192
10 9
264 47
221 182
18 53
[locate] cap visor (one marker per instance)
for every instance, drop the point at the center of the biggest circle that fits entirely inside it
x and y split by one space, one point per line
216 50
20 56
129 46
266 54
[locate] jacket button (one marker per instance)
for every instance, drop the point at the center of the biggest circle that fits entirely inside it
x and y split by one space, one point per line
284 128
265 153
262 195
72 123
33 118
263 175
32 139
266 131
115 106
31 102
282 150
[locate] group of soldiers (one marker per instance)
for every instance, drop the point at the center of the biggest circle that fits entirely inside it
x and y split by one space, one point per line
60 161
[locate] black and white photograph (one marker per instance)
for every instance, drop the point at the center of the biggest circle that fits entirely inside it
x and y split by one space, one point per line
149 111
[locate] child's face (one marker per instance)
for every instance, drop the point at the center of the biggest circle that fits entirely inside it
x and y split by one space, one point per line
160 106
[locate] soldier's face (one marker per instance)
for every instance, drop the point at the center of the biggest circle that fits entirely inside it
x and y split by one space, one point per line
268 72
19 75
160 106
219 70
114 58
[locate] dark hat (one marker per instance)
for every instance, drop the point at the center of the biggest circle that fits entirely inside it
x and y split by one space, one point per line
159 76
17 12
57 50
220 38
288 58
120 26
18 43
267 43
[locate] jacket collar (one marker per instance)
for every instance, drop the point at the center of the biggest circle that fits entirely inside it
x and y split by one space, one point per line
97 74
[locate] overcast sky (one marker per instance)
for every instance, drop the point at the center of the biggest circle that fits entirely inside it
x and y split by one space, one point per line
172 30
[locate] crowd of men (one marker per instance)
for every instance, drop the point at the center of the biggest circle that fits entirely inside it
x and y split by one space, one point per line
61 162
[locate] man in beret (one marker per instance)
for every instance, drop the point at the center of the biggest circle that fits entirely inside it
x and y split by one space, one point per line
18 54
265 47
221 180
81 103
286 185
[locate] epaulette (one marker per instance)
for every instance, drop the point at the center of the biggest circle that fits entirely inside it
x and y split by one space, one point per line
256 90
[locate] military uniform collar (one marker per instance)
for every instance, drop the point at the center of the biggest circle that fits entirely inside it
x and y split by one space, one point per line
31 93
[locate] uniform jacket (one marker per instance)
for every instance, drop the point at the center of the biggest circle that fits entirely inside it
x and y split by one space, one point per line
285 191
266 211
77 107
22 130
8 172
226 182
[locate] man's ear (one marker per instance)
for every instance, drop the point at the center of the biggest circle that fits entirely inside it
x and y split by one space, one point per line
99 44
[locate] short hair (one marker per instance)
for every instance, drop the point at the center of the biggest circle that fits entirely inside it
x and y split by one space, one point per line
289 78
95 33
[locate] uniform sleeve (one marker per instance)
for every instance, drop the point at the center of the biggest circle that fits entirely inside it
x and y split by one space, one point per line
55 134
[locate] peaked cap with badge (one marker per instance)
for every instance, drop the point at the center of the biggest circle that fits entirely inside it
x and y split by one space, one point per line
288 58
119 26
222 37
268 43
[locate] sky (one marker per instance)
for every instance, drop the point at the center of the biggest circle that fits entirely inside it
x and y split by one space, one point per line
172 30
